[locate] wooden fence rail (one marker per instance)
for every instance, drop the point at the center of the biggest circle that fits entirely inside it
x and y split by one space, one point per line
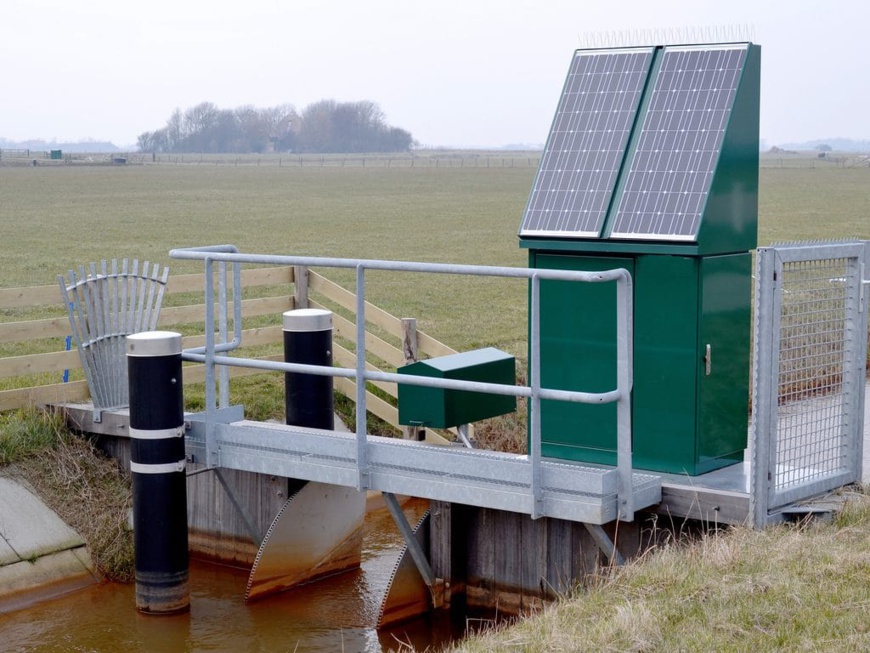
53 331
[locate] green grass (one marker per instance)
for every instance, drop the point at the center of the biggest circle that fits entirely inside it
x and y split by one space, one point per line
25 433
55 218
789 588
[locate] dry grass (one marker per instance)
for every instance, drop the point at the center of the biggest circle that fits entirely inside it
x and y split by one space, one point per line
83 487
790 588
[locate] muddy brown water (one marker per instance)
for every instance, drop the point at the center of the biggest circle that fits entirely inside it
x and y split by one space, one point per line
334 614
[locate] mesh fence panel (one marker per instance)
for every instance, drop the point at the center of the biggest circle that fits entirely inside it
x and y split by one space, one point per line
811 440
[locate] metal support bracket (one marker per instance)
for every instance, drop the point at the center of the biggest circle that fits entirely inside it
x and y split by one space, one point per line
417 553
462 431
605 544
255 534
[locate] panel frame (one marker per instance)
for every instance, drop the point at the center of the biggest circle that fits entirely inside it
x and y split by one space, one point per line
525 231
611 230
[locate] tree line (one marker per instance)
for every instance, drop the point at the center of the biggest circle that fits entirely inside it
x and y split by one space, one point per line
326 126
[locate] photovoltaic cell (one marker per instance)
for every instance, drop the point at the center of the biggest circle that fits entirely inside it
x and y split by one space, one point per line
669 176
586 146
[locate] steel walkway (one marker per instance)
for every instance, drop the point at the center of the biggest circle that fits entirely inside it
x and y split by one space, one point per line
485 479
539 487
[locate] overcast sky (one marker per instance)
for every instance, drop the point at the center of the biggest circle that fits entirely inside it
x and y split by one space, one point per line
453 72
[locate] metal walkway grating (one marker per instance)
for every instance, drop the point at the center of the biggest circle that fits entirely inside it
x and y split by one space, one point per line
570 491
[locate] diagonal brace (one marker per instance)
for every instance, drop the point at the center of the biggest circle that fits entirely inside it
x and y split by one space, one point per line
253 531
414 548
605 544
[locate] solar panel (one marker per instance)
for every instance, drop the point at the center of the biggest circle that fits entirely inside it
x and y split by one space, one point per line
586 147
673 163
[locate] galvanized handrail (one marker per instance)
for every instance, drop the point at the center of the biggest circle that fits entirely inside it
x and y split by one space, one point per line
225 254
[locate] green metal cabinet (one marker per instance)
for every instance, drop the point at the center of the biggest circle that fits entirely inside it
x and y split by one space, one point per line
651 165
441 408
684 419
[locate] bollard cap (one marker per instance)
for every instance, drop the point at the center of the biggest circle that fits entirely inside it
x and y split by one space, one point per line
154 343
308 319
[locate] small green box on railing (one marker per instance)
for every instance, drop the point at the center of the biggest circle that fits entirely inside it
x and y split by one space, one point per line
441 408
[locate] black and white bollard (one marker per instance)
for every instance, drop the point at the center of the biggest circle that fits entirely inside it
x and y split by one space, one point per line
157 464
308 340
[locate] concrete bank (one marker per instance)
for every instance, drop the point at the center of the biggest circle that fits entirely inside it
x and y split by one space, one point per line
40 556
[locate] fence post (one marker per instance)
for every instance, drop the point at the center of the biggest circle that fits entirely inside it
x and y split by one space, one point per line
300 286
410 354
765 381
157 465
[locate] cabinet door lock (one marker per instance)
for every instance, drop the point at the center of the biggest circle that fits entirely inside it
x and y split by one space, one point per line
708 359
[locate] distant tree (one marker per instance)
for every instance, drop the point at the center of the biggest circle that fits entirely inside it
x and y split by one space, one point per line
824 147
324 126
330 126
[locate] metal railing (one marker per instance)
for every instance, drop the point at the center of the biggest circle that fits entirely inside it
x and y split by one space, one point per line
212 354
810 356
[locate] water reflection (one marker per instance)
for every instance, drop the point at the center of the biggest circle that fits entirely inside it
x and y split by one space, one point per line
335 614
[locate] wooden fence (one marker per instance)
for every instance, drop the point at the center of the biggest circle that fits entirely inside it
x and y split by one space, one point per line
417 159
289 288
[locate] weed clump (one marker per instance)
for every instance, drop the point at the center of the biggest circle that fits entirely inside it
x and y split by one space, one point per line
86 489
27 433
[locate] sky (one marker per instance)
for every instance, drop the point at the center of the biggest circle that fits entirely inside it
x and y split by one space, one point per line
455 73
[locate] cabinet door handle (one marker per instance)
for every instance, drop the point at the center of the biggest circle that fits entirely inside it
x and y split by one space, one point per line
708 360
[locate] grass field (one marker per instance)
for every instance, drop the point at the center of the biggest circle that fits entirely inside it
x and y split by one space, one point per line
52 218
780 589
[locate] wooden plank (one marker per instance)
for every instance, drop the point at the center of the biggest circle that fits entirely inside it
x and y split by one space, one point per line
533 558
181 283
380 348
250 337
348 359
559 555
250 308
272 276
55 327
68 360
217 530
374 405
440 549
300 283
39 363
30 296
346 299
389 323
428 345
43 394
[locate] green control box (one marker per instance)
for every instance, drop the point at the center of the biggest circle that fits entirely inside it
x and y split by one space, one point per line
441 408
651 166
690 400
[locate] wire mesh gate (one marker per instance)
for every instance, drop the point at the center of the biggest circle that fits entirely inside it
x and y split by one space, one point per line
810 355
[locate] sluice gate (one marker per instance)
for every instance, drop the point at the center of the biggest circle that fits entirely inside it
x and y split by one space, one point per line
222 439
639 228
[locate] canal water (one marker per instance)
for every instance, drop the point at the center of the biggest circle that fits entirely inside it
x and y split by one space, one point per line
335 614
